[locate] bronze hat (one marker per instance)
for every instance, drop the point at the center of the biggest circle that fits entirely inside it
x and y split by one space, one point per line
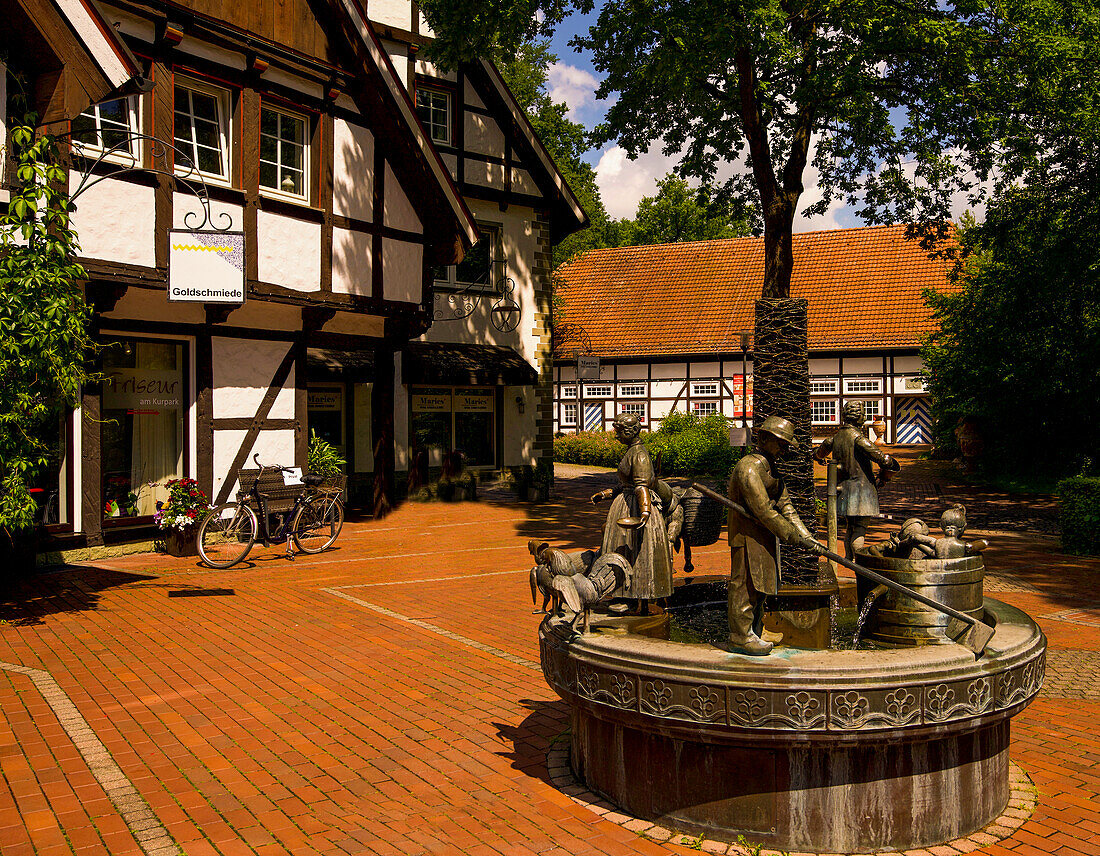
781 429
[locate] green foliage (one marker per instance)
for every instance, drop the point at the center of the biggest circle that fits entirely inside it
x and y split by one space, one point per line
677 213
1080 515
1019 346
44 340
324 459
687 445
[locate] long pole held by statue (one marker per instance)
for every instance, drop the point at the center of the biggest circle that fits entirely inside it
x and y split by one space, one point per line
745 334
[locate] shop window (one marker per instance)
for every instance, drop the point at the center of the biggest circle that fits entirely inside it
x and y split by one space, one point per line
458 419
103 126
823 412
569 414
704 408
478 266
143 431
710 388
50 490
434 109
284 153
202 128
325 411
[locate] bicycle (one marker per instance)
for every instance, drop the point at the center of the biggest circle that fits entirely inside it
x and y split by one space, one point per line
228 532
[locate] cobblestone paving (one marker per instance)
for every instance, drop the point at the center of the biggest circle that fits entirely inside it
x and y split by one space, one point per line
384 698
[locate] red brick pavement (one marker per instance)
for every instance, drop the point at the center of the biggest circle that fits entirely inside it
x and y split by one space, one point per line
385 698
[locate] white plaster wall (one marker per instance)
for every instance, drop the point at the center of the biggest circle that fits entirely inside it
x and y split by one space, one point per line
471 97
484 174
396 13
430 70
187 208
907 365
364 440
397 210
130 25
402 271
273 447
399 57
707 370
519 428
242 372
291 81
400 416
659 410
862 365
522 182
899 384
353 171
115 221
567 373
451 162
666 388
669 370
351 261
483 135
289 251
824 366
632 371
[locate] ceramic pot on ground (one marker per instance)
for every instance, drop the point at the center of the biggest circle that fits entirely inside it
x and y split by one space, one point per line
182 543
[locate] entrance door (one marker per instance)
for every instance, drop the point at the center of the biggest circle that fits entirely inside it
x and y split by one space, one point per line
914 421
593 417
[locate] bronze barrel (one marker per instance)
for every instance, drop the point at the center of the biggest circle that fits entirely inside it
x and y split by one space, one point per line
897 620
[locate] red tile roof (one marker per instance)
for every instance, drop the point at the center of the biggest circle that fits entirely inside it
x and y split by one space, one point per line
864 288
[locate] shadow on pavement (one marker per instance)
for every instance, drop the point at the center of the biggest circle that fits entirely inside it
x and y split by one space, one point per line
28 601
531 740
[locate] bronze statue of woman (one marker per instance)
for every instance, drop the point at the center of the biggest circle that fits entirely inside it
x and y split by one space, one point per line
635 524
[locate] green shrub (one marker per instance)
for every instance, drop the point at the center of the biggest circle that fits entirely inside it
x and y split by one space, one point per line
686 444
324 459
1080 514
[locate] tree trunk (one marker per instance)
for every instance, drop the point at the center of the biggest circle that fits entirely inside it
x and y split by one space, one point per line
781 380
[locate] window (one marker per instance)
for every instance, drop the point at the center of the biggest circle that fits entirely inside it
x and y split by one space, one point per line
632 390
637 409
104 126
202 129
569 391
824 386
704 388
434 109
597 392
477 266
284 152
461 419
873 385
872 408
569 414
823 412
704 408
325 414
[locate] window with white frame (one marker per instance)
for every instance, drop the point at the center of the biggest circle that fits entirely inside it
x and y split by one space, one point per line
597 392
872 408
704 408
109 124
569 414
824 386
434 109
859 385
478 266
631 390
569 391
635 408
284 152
823 412
702 389
202 128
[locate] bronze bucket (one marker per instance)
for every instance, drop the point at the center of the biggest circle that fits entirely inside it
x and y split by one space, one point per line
899 621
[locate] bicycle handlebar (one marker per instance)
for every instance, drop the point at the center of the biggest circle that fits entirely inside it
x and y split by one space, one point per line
256 458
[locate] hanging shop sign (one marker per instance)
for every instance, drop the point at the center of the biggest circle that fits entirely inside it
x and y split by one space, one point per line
206 266
588 367
427 400
474 401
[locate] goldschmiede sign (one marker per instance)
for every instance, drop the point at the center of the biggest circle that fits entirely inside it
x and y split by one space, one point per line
206 266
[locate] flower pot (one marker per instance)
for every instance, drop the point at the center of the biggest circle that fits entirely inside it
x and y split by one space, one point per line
182 543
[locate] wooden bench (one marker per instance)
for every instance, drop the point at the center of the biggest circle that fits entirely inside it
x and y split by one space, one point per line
278 496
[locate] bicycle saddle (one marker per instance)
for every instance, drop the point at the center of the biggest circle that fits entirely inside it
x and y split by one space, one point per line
313 480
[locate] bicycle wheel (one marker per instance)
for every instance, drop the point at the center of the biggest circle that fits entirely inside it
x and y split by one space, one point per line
227 534
317 524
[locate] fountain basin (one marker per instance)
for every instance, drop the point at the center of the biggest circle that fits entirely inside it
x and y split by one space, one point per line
823 750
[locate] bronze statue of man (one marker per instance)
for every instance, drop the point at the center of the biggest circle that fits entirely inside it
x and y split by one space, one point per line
756 486
857 494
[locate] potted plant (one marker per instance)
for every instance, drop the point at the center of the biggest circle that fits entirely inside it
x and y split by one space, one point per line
179 516
324 460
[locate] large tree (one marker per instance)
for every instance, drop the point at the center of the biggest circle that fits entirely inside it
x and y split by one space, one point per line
677 212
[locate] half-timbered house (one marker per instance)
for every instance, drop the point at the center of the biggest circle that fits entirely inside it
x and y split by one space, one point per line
666 323
280 143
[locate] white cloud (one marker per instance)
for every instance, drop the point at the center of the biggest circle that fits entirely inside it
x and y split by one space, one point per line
573 86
